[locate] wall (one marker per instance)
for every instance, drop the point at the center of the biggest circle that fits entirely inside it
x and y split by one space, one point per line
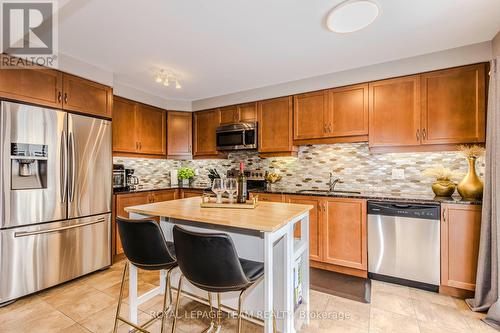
352 162
444 59
496 45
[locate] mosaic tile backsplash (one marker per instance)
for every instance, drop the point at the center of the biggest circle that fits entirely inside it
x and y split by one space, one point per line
351 162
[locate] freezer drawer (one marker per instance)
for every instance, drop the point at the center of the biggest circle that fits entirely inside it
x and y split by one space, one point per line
37 257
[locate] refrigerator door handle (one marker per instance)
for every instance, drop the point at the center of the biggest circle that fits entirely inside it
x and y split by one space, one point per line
72 163
64 167
39 232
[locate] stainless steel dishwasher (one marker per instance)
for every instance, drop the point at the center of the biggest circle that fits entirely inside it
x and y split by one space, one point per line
404 244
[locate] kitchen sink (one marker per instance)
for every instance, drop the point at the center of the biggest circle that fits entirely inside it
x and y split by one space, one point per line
328 192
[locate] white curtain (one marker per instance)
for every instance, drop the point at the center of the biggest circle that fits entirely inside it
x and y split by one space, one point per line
487 282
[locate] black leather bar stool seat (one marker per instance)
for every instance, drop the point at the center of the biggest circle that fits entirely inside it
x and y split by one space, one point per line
210 262
146 248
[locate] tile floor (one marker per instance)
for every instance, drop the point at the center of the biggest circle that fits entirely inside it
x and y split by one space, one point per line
89 304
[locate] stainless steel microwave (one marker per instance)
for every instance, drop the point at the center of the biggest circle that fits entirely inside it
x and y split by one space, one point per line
238 136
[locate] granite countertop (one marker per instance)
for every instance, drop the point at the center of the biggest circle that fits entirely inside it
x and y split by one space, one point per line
381 196
141 188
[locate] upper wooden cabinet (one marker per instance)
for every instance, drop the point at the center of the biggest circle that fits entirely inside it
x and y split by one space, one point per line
151 129
138 129
344 234
37 86
238 113
453 105
179 135
395 112
434 110
336 113
275 127
124 125
55 89
205 124
87 97
309 114
460 233
348 116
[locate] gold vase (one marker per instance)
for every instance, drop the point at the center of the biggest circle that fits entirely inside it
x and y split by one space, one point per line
471 187
443 188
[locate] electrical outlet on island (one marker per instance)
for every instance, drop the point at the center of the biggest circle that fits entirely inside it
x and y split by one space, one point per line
398 173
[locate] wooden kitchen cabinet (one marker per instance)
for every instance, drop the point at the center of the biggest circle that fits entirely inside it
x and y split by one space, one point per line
179 135
309 113
453 105
205 125
124 125
348 116
394 106
86 97
246 112
268 197
344 233
460 233
152 130
38 86
275 127
329 116
190 193
315 246
138 129
125 200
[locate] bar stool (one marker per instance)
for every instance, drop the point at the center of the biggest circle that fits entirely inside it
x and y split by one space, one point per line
146 248
210 262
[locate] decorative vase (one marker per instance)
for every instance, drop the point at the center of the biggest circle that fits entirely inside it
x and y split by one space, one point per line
471 187
443 188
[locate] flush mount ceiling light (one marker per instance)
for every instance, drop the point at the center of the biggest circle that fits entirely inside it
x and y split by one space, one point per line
164 77
352 15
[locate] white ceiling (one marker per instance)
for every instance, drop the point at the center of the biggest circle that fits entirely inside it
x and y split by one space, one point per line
223 46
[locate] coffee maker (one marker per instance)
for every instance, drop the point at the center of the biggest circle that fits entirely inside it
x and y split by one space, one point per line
132 181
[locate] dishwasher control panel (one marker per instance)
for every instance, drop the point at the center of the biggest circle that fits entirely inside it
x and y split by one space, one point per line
410 210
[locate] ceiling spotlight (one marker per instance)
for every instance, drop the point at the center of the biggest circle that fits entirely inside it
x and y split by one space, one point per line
352 15
177 85
159 77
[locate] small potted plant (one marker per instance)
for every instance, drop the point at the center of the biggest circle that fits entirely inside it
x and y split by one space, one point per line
185 176
443 185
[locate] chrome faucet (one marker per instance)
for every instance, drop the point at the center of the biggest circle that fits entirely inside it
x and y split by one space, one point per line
333 182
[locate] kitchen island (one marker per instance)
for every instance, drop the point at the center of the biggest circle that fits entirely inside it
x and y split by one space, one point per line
266 234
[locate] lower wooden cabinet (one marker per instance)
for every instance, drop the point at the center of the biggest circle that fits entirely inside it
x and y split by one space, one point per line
460 233
122 201
189 193
344 224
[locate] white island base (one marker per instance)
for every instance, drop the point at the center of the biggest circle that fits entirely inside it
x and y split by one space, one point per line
277 249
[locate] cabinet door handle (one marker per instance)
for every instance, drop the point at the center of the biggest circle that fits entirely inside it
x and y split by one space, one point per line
418 135
424 133
190 148
444 215
330 128
65 98
59 97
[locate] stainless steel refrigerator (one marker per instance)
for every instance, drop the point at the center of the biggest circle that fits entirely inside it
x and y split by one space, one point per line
55 202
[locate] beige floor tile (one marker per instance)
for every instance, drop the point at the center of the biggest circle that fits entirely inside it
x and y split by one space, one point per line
478 326
43 318
382 321
114 290
318 300
341 311
390 288
85 305
427 327
336 327
104 279
441 315
427 296
75 328
393 303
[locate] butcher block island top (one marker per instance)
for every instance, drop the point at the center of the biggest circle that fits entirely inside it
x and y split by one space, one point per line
266 217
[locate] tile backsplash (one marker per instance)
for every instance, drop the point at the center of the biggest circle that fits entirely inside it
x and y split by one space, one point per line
351 162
